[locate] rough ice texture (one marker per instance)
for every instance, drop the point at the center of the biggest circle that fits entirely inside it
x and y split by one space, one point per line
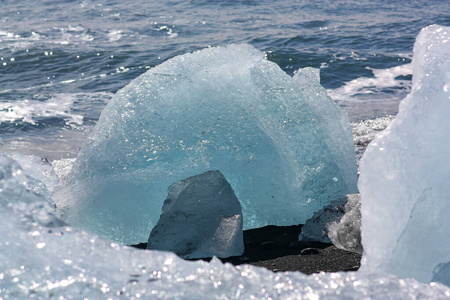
66 263
405 172
63 166
285 147
345 233
201 217
316 227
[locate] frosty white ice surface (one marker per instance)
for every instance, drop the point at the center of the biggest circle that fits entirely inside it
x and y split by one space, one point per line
405 172
316 227
201 217
63 166
345 234
285 147
66 263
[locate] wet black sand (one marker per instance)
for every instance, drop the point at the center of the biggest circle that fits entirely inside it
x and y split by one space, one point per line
276 248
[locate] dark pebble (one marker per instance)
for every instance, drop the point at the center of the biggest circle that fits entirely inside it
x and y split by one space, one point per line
308 251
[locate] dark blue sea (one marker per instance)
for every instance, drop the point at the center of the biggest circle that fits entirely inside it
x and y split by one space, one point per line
62 61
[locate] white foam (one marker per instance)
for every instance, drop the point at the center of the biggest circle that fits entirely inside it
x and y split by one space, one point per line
380 95
58 106
366 130
375 86
28 110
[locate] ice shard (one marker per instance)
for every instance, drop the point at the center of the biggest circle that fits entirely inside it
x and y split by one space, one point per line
316 227
345 233
284 146
405 172
22 193
201 217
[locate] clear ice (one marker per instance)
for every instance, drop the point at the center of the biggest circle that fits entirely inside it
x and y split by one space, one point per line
284 146
22 193
345 233
405 173
316 227
201 217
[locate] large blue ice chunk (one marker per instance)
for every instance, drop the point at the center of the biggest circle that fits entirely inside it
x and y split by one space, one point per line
285 147
405 172
201 217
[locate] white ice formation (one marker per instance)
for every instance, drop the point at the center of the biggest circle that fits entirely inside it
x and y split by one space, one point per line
316 227
405 172
201 217
38 262
345 233
284 146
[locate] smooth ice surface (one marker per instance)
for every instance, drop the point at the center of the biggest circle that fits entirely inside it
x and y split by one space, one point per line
201 217
345 233
316 227
285 147
405 172
63 262
441 273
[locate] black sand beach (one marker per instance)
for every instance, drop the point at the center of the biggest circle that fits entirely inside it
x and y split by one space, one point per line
277 248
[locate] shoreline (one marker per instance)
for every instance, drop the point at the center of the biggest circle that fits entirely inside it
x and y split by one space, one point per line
277 249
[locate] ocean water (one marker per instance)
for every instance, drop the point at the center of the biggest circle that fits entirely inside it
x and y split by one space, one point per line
61 62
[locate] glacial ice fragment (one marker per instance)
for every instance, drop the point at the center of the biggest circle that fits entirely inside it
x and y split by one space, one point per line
345 233
22 193
38 168
405 172
316 227
284 146
201 217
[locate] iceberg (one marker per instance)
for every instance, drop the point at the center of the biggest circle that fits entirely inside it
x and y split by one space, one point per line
201 217
284 146
405 172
